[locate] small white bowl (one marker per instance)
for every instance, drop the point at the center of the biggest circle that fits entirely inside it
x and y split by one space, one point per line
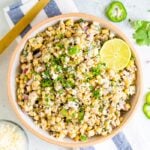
19 129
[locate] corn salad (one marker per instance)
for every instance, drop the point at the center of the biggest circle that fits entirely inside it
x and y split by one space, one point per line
66 89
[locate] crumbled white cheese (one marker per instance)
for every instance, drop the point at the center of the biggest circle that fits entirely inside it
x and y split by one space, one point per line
11 137
33 97
72 104
54 76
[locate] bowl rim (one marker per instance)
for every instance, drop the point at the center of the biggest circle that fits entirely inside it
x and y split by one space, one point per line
139 80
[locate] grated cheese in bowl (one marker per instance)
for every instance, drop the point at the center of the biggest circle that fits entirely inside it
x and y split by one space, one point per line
12 136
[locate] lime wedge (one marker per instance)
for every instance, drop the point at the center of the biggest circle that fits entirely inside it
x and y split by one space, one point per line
115 54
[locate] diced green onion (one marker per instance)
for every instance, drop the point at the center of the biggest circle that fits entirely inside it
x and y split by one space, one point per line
83 138
64 112
80 20
96 94
73 50
81 114
46 74
96 70
68 83
59 68
60 45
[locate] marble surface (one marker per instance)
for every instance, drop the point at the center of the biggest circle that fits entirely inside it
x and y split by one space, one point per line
137 9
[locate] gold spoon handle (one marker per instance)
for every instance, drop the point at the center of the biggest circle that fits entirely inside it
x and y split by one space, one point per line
21 25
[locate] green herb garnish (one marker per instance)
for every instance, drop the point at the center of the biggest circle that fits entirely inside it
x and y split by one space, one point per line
68 83
83 138
61 91
56 61
73 115
60 45
46 74
80 20
81 114
46 82
47 100
60 36
59 68
96 70
72 99
73 50
64 112
96 94
91 88
142 32
68 120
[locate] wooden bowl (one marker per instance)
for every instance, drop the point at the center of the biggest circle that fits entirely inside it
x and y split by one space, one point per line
13 68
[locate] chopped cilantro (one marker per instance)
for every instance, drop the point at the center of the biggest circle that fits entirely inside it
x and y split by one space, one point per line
80 20
56 61
60 36
96 70
68 120
91 88
142 32
100 109
59 68
73 50
46 74
46 82
68 83
72 99
96 94
60 78
73 115
61 91
60 45
47 100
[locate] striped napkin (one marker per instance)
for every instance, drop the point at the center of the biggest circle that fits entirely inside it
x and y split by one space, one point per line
15 12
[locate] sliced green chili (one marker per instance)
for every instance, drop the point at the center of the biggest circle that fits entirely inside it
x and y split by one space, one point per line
146 110
148 98
116 11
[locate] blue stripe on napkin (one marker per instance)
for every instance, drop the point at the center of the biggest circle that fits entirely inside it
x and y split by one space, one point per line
23 33
121 142
15 15
52 9
87 148
15 5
